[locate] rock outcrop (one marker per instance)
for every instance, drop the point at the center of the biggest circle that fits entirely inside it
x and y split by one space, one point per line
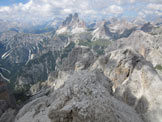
135 82
80 58
85 96
149 46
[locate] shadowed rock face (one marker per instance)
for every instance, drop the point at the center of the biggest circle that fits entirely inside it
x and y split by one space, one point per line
147 27
7 104
69 19
5 94
78 59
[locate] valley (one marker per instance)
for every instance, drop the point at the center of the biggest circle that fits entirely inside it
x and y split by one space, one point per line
110 71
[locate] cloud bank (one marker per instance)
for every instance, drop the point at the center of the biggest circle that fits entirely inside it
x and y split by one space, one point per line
41 10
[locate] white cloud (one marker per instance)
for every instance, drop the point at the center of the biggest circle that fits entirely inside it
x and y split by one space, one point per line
68 10
154 6
5 9
152 10
115 9
47 9
40 10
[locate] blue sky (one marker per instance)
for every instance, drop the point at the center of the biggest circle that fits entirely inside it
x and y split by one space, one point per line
11 2
42 10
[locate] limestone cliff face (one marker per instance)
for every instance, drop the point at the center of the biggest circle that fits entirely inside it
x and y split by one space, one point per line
135 82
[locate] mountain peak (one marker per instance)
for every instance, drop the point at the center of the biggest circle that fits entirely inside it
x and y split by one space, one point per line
67 20
72 24
76 15
102 31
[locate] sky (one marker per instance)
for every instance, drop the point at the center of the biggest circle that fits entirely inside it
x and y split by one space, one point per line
11 2
43 10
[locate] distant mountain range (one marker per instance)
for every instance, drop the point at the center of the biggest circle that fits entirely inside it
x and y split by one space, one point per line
73 71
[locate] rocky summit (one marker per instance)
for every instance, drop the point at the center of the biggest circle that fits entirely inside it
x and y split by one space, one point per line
72 24
79 71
